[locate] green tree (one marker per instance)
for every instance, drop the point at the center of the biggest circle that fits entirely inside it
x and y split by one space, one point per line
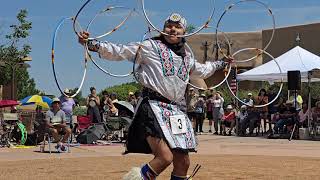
190 28
12 53
123 89
78 98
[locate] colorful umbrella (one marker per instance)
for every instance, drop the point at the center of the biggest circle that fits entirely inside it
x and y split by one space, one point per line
29 107
43 101
8 103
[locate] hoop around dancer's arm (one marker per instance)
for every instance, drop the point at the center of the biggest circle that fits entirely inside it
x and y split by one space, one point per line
228 68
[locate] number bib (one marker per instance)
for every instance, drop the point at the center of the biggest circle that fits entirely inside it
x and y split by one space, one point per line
178 124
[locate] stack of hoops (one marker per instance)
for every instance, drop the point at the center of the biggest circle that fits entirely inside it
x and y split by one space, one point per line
152 28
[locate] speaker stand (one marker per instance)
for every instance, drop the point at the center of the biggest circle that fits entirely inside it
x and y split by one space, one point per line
296 114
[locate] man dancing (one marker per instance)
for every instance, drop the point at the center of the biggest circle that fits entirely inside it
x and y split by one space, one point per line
160 125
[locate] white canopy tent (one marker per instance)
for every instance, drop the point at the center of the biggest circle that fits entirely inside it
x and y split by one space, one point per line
295 59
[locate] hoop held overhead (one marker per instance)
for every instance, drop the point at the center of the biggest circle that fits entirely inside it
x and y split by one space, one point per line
53 59
229 8
100 12
205 25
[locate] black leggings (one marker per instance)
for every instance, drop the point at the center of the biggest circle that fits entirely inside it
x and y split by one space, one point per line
199 122
94 114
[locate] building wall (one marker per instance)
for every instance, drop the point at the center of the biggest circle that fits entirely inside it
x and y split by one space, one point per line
237 41
285 39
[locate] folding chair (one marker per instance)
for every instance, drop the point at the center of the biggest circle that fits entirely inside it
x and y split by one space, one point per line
48 136
83 122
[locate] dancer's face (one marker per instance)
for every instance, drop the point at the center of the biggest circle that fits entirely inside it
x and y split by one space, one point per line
173 28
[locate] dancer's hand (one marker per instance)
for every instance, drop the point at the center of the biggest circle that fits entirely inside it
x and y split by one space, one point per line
83 37
92 44
229 59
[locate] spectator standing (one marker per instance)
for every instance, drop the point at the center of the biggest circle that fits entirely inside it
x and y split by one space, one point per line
261 100
200 112
93 103
296 100
132 99
209 105
192 98
217 112
67 106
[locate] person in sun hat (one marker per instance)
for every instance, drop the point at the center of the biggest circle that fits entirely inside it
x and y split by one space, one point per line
217 112
160 125
56 123
132 99
199 113
228 120
249 99
67 105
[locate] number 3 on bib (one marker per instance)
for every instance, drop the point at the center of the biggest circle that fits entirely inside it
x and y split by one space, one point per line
178 124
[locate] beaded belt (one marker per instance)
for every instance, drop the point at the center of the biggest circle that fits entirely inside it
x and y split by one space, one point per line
153 95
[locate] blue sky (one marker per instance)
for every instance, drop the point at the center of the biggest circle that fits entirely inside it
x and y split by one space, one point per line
46 14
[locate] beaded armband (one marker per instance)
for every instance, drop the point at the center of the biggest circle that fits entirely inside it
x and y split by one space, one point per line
93 45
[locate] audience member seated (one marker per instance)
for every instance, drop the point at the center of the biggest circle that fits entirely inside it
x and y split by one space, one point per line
39 123
254 120
303 116
316 113
228 120
287 117
56 123
243 120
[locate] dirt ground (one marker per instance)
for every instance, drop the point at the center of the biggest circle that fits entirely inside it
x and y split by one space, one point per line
213 167
230 158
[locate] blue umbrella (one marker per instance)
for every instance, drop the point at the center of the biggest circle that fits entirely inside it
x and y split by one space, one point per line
43 101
